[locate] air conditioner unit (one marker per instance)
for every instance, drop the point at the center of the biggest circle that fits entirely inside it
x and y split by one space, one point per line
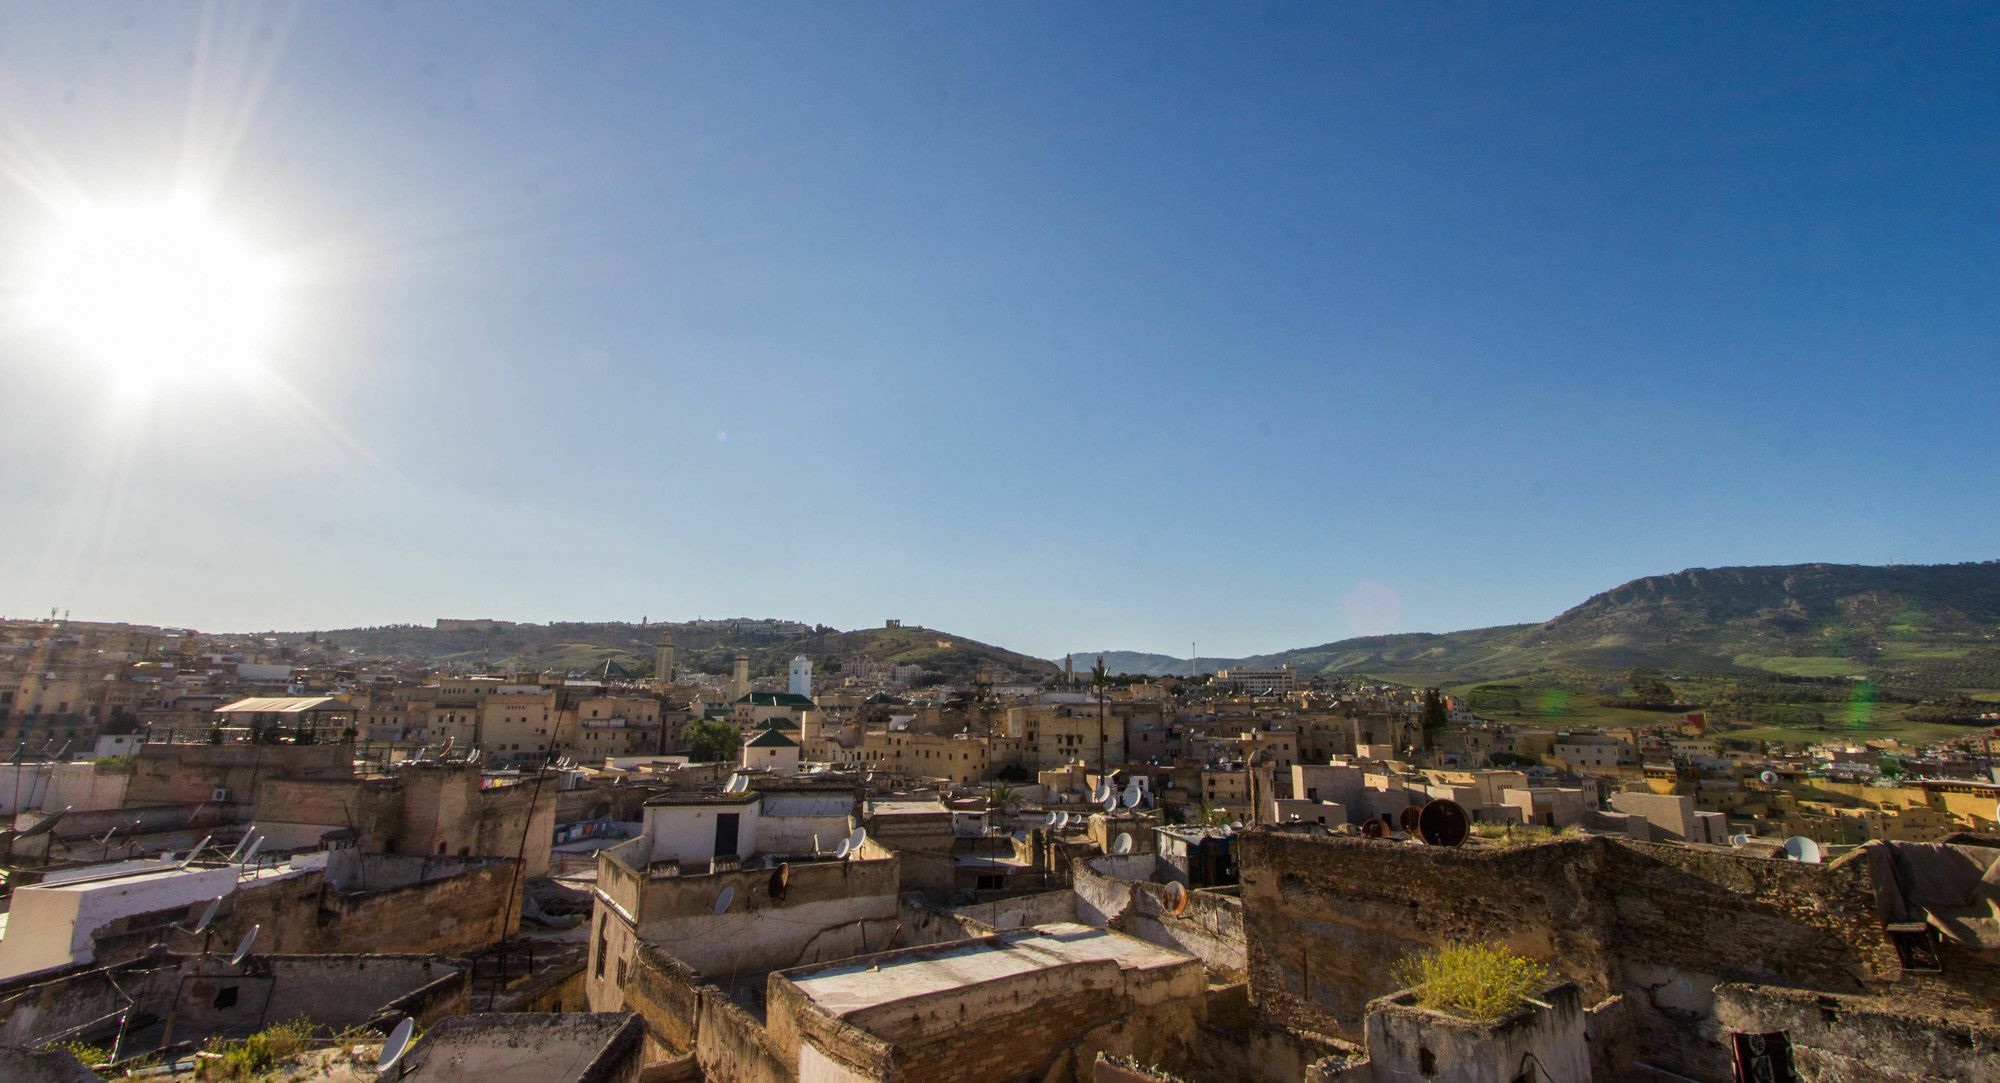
221 794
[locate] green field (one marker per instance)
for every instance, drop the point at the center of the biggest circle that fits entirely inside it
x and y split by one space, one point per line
1802 667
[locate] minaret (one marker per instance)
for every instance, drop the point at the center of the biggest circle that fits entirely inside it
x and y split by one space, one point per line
663 659
802 677
739 679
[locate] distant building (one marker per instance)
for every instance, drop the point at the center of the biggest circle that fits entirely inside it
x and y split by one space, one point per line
802 677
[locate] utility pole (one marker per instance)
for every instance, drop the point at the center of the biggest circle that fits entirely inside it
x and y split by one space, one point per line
1098 677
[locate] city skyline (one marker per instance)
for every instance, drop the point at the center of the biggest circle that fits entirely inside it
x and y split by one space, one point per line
1047 327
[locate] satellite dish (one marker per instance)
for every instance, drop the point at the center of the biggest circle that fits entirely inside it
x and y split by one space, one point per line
248 833
48 825
1122 844
1802 849
855 840
723 900
1102 791
1768 778
1739 840
1111 803
1443 823
243 946
1236 826
781 878
397 1045
252 854
840 852
1049 820
1407 819
1062 820
207 915
1375 828
1133 795
1177 898
199 847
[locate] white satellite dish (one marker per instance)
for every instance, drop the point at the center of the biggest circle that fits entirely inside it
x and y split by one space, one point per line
1133 795
1739 840
840 852
207 915
199 847
1237 826
1102 791
1123 843
252 854
1062 820
1049 820
248 834
1111 803
1768 778
1802 849
855 840
397 1045
723 900
243 946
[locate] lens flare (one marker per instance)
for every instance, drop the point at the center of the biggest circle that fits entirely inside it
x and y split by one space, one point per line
155 292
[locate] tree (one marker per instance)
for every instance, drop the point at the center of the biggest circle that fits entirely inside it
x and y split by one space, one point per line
709 741
1435 716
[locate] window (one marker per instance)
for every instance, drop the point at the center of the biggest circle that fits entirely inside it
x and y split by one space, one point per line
603 948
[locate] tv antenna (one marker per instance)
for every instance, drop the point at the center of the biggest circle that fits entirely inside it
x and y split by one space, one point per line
1802 849
1122 844
1111 802
723 900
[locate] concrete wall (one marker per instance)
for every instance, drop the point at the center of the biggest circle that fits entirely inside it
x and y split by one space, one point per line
1408 1042
1328 917
86 786
829 910
189 774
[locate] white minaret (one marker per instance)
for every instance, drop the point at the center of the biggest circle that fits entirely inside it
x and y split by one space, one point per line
802 676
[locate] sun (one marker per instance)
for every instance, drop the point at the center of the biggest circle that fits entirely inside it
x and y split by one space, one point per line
155 293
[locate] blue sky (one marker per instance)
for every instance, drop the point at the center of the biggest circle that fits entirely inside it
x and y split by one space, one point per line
1060 327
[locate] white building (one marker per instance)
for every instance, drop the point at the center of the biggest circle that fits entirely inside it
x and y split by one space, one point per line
802 677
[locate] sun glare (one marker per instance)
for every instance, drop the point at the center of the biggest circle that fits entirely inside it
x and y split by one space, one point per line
155 293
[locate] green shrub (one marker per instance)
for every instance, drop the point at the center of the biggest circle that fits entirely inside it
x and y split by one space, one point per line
1478 981
256 1055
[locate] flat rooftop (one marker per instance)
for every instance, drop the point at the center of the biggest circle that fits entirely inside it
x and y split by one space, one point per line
846 989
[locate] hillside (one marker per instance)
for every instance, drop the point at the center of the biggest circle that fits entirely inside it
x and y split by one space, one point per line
583 647
1927 628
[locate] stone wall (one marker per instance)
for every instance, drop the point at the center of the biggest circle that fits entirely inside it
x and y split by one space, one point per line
1328 917
1111 893
1847 1039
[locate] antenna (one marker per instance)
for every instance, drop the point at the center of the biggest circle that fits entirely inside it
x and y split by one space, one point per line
243 946
840 852
1133 795
1122 844
1407 819
1049 820
1739 840
251 854
1768 778
1177 898
393 1050
248 833
207 916
855 840
1102 791
47 825
1802 849
1111 802
1443 822
723 900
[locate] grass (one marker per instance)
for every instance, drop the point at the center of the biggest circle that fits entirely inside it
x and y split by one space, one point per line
251 1058
1506 835
1794 666
1477 981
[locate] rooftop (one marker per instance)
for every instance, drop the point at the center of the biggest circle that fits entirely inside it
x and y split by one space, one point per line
874 980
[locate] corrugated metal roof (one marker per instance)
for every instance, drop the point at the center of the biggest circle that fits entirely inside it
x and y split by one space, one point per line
284 705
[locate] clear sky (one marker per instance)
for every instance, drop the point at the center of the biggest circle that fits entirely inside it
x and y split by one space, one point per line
1061 327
